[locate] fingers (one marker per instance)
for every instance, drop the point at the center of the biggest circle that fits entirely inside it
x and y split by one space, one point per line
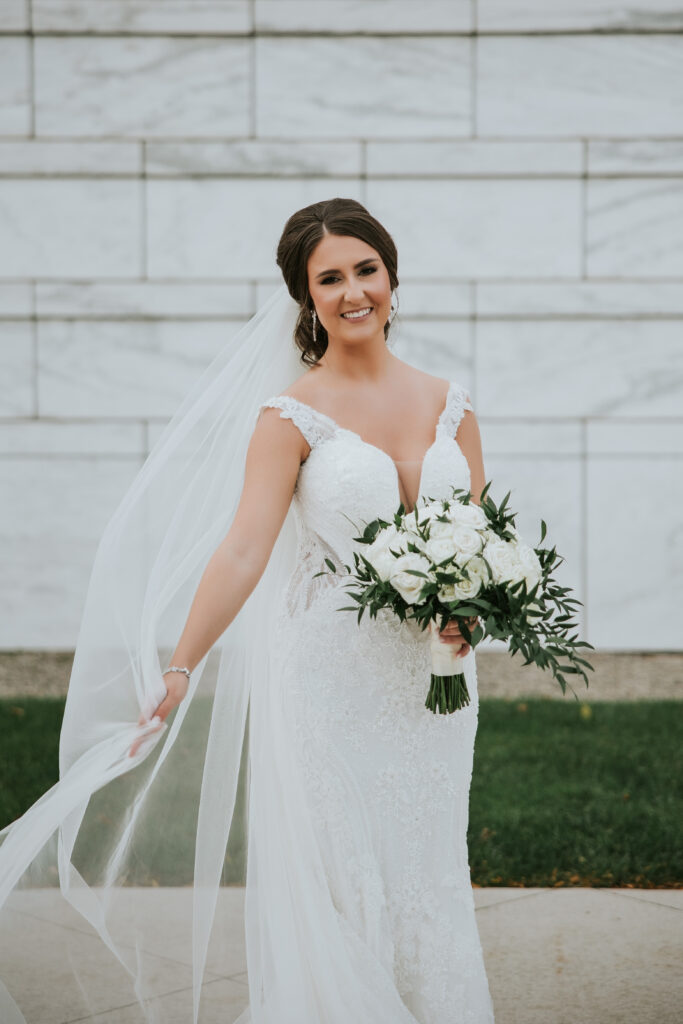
157 720
452 635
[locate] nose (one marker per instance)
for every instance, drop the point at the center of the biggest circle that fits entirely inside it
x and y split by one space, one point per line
354 291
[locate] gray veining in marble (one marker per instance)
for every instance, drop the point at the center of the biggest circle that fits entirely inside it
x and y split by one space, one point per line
15 113
634 228
578 15
69 228
631 606
55 515
141 86
478 158
247 157
560 86
363 16
323 88
15 16
481 229
129 369
143 17
631 368
16 368
226 228
54 158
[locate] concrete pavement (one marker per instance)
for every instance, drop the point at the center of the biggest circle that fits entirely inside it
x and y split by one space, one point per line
553 956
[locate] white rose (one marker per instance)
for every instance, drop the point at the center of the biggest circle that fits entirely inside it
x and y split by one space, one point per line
531 565
468 515
378 554
407 585
478 567
411 519
461 591
468 541
438 530
503 559
439 548
421 516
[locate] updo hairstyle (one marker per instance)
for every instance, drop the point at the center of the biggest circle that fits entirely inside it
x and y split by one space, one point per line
301 234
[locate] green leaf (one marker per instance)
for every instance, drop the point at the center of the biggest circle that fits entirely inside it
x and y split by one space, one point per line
331 565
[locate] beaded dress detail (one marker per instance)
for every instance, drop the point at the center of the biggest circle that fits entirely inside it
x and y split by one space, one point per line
384 782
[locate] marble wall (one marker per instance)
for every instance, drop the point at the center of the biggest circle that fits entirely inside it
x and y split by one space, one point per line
526 155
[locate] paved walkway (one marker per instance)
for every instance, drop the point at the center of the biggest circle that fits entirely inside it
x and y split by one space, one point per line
553 956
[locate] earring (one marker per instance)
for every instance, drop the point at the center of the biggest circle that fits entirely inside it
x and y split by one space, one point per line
314 318
394 308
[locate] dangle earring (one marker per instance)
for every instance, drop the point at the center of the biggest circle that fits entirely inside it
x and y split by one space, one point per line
314 318
394 308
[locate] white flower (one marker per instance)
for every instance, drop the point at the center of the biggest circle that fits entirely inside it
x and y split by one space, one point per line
468 541
438 530
462 590
504 561
405 583
441 547
468 515
531 565
419 517
378 554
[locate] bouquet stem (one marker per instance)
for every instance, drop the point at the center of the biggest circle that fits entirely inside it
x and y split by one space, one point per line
448 690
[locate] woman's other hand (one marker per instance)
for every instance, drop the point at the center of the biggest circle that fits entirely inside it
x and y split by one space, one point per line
452 635
176 688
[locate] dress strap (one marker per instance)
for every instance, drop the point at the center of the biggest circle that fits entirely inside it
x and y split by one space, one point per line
314 426
458 400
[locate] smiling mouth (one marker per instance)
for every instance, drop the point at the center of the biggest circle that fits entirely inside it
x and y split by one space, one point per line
357 314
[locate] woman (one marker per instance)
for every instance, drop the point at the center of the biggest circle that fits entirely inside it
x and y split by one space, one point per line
359 905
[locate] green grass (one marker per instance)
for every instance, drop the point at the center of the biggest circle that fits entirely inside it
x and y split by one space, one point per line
577 794
562 793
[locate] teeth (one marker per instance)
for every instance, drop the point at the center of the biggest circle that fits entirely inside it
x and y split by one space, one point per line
356 314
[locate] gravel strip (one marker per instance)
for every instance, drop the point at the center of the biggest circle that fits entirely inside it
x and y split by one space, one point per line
631 675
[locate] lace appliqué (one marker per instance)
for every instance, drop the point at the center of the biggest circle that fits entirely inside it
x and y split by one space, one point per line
312 426
458 401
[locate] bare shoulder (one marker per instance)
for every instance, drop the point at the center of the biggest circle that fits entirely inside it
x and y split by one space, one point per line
307 386
425 383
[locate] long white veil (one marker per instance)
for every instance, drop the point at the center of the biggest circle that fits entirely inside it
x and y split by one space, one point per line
95 851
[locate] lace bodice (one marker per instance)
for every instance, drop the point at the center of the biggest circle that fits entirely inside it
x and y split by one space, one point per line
345 481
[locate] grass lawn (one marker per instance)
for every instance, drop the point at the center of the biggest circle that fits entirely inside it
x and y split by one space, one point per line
562 793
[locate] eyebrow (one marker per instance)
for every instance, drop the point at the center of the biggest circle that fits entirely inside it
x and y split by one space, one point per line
371 259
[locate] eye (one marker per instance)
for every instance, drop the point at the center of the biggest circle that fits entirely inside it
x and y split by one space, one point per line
364 270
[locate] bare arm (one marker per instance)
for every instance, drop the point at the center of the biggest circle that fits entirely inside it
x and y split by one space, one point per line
275 452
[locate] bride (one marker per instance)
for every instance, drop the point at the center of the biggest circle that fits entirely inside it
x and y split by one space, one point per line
359 904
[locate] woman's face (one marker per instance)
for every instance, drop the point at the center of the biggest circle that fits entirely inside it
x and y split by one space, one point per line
347 275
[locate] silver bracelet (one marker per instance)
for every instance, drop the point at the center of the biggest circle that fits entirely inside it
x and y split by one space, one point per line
176 668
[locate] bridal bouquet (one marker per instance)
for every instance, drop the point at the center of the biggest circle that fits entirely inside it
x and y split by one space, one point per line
452 560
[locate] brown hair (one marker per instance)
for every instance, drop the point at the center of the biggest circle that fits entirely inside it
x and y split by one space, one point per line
301 234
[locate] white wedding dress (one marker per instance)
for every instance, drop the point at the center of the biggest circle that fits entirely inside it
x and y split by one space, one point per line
359 903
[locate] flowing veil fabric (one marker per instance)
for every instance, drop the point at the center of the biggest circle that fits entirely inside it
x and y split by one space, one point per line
103 843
